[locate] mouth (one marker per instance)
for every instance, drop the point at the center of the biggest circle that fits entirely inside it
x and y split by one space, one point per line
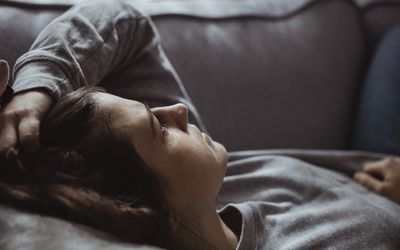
205 136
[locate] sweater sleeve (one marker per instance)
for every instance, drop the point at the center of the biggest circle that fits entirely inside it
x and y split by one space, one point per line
82 46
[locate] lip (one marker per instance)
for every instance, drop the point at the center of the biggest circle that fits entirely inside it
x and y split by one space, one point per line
207 138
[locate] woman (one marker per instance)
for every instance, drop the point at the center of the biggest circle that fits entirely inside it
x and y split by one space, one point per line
144 167
132 170
116 165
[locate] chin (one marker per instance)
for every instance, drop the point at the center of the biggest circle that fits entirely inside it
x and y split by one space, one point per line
221 153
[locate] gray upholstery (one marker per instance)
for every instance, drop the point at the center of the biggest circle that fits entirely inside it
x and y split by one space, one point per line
379 16
257 90
262 73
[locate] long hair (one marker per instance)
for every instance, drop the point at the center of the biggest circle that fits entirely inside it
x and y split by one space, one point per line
83 174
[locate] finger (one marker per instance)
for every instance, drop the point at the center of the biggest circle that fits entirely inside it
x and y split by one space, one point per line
375 168
28 132
8 136
4 75
369 181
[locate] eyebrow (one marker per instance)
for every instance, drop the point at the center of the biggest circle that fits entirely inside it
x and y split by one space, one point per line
151 120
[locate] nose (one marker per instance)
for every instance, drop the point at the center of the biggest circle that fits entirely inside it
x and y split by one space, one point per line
181 112
174 115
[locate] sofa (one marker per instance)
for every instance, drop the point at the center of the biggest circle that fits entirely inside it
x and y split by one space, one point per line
263 74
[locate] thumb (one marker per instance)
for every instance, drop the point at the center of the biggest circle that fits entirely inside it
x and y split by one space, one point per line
4 75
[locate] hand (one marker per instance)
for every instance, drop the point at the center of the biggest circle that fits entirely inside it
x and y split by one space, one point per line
382 177
20 118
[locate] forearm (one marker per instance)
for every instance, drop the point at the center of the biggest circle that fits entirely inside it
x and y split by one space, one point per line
82 46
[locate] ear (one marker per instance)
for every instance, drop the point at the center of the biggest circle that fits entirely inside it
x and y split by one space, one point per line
4 75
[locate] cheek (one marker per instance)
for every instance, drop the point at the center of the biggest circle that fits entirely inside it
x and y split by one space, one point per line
193 173
190 156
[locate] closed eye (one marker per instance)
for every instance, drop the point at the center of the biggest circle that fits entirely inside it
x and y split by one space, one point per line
162 123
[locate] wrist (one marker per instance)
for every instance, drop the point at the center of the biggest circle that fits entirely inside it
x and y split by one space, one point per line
37 99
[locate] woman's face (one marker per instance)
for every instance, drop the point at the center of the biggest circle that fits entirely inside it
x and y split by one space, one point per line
190 162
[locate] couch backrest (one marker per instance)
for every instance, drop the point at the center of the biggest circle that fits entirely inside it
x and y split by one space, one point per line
379 16
272 74
262 73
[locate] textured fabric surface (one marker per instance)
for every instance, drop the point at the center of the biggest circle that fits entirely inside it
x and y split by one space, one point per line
286 203
266 82
22 231
379 19
371 3
377 125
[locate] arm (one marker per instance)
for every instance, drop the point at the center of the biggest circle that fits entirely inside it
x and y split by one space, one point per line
84 45
382 177
80 48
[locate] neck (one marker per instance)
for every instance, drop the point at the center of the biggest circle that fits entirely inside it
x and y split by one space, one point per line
208 224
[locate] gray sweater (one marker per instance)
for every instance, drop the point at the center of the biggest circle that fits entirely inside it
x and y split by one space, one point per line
287 203
283 202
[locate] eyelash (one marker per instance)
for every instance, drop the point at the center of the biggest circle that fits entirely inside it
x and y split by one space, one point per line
162 124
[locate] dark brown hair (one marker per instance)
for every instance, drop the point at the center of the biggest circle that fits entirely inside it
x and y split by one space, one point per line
106 186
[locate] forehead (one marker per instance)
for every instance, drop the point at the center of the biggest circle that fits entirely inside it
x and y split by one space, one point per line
123 112
113 103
